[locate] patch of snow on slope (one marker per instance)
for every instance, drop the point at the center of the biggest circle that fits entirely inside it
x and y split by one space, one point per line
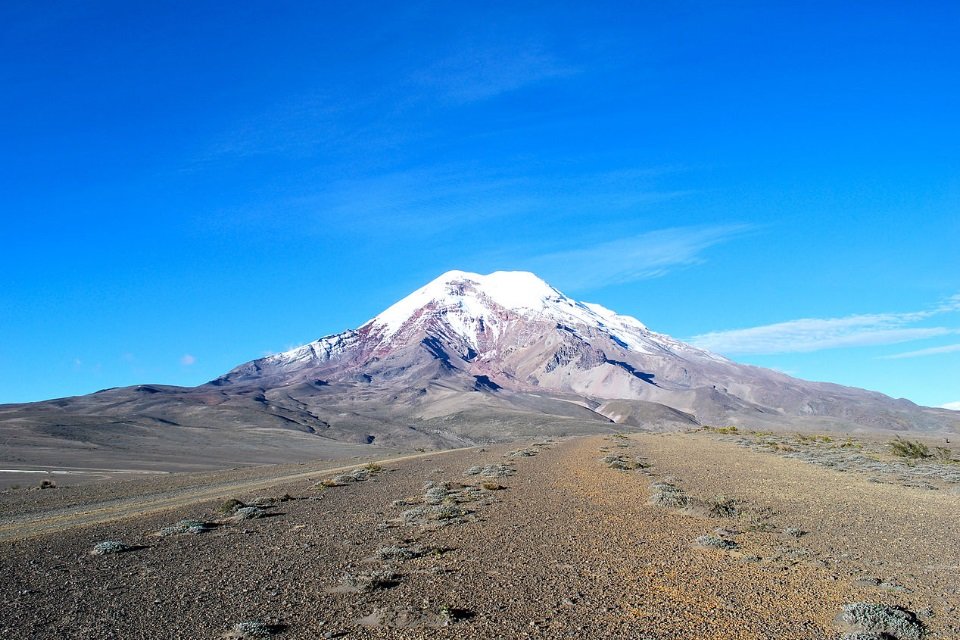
465 301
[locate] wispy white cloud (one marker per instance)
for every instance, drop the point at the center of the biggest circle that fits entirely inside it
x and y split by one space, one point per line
932 351
639 257
188 360
816 334
950 304
951 405
435 200
485 71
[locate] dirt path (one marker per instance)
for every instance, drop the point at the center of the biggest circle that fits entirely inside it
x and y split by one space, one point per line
52 521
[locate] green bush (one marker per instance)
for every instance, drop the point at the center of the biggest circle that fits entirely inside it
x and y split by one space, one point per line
910 448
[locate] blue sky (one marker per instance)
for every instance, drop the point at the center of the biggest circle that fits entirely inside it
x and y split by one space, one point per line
189 185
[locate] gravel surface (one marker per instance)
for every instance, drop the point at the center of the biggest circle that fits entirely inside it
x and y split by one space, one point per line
559 544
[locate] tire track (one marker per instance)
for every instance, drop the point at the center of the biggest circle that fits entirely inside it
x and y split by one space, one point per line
56 520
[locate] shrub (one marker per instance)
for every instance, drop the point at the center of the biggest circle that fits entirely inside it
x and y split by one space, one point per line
110 546
723 507
668 495
713 542
248 513
943 454
622 462
496 471
723 430
229 506
360 474
450 615
882 619
372 581
910 448
250 629
436 495
186 526
414 516
400 553
448 512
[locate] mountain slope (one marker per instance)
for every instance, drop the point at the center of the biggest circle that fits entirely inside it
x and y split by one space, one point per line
510 331
466 358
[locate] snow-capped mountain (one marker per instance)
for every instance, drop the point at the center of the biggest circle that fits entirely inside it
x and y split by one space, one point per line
513 332
489 323
466 358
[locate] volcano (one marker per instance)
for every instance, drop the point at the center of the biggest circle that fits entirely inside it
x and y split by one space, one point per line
467 358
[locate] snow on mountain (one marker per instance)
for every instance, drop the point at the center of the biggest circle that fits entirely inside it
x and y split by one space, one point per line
479 310
471 302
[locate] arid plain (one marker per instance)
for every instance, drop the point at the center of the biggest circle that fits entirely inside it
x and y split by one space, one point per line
703 534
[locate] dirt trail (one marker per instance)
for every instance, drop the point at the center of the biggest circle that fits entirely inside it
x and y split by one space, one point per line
54 520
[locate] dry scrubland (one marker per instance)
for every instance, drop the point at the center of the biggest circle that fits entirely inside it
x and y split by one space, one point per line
715 534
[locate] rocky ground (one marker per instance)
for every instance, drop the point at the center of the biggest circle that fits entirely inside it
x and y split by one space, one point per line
677 536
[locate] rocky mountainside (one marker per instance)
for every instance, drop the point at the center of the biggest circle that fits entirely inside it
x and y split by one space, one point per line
466 358
511 331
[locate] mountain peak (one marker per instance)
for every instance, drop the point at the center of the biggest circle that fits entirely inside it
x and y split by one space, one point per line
510 289
472 296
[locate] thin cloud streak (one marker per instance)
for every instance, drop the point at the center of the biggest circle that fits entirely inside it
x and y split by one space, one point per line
932 351
482 72
434 200
641 257
816 334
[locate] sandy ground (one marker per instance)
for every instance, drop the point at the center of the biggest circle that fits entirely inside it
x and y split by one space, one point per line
565 547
